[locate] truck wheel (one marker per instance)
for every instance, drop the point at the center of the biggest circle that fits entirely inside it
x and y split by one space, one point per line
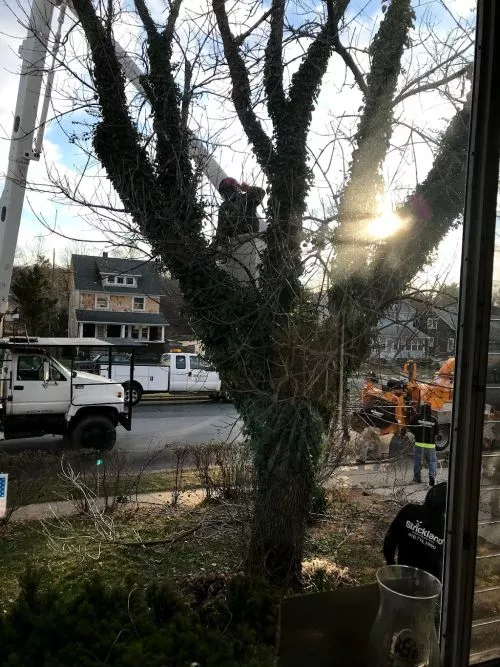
443 438
136 392
95 432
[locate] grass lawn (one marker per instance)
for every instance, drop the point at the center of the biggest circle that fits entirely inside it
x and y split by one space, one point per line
205 541
129 484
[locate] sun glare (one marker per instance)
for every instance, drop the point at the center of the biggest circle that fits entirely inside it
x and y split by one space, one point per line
386 224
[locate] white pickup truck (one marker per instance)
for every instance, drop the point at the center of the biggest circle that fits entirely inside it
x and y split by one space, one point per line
175 373
40 396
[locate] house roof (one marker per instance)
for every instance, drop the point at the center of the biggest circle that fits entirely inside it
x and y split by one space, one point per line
400 330
449 316
112 317
87 272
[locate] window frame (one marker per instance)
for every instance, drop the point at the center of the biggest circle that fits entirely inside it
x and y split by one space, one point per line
101 296
472 344
177 359
24 356
139 310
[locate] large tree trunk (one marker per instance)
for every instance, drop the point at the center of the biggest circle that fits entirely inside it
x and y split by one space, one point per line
286 453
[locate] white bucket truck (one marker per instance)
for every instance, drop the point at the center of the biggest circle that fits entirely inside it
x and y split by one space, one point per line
172 372
40 396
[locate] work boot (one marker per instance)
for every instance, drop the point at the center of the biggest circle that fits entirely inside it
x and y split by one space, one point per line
417 480
432 480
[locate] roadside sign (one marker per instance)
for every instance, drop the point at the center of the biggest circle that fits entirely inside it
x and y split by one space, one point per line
3 494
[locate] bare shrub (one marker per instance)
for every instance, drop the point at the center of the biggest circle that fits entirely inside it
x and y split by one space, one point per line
335 447
225 470
181 454
112 477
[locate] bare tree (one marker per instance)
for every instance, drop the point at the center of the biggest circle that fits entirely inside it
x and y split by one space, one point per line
285 356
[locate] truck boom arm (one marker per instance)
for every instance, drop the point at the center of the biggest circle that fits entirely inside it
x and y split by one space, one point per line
25 146
33 52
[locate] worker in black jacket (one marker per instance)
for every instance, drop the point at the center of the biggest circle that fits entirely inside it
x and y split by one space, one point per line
238 210
425 429
417 533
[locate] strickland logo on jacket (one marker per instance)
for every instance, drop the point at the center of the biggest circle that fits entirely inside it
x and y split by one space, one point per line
418 532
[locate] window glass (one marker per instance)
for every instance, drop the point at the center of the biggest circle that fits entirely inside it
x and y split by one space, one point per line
165 360
30 367
102 301
119 280
110 280
180 363
130 281
138 303
198 363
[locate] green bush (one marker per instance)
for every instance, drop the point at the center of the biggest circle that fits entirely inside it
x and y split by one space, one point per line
125 626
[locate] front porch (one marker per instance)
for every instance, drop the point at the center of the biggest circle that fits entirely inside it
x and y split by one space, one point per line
131 331
132 326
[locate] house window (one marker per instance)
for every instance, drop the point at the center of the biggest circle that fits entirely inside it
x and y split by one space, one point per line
138 303
430 342
121 281
133 332
451 344
102 302
432 323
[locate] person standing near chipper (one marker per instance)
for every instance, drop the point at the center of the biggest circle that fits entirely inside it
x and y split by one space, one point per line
425 429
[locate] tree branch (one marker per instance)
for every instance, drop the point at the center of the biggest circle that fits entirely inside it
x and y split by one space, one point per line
273 64
432 85
351 64
241 93
307 79
241 38
365 184
147 21
171 21
434 207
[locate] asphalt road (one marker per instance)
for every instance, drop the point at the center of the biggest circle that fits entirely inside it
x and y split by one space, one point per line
158 425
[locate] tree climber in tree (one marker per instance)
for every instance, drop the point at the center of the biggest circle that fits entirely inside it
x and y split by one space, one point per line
238 211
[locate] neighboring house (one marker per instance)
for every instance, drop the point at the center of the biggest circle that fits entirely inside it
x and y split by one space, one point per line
112 297
440 324
398 336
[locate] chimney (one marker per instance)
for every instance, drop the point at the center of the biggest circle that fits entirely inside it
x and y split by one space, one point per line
105 255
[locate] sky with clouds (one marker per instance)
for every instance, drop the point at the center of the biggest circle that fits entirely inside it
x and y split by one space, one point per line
213 117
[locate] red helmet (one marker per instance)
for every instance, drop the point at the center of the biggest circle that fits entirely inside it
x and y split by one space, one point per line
230 183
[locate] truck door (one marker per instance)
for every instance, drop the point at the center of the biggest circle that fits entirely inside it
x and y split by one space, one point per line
38 386
178 372
201 375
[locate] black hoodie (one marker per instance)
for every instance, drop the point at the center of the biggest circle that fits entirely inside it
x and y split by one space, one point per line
417 533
